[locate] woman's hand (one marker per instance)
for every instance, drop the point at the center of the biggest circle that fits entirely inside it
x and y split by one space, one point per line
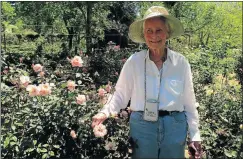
98 119
195 149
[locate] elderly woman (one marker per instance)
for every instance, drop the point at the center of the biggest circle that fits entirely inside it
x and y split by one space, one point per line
159 83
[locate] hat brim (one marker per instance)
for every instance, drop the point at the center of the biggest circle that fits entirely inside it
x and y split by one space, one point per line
136 28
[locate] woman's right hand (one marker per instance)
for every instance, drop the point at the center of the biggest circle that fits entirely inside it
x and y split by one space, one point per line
98 119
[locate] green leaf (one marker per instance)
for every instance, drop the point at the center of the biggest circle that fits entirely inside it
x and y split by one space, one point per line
13 127
6 142
27 109
56 146
227 153
71 94
64 85
44 156
43 150
19 124
45 145
39 127
34 142
51 153
17 148
6 121
14 138
30 149
38 150
12 143
234 153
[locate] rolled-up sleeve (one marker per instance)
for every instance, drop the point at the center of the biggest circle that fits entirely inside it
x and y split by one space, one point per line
123 91
189 102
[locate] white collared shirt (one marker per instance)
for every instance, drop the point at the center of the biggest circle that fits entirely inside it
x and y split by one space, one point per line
175 89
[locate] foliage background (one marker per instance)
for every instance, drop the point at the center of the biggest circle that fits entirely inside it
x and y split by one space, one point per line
49 32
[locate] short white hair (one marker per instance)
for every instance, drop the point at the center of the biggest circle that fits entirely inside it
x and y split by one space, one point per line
163 19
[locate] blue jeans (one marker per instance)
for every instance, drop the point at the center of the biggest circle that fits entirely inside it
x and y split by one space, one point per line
165 138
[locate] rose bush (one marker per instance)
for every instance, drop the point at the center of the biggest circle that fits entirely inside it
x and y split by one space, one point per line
49 116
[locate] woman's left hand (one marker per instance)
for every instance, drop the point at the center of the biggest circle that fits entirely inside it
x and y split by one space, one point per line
197 148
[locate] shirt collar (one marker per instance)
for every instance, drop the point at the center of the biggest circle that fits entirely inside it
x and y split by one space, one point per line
169 55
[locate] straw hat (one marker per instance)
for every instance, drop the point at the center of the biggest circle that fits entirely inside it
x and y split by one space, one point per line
136 28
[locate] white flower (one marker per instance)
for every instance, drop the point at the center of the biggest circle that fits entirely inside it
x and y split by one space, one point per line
78 74
96 74
100 130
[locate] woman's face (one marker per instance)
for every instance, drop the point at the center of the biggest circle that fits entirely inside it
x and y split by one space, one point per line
155 33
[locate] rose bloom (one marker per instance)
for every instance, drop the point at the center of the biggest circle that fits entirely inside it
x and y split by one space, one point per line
5 71
77 61
33 90
108 88
24 81
73 134
41 74
110 146
45 89
116 48
100 130
81 99
37 67
101 92
21 59
71 85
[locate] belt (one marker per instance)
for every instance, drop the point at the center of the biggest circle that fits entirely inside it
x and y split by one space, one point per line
165 112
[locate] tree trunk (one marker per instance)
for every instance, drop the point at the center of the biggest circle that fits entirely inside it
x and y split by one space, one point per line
70 34
70 38
88 24
207 40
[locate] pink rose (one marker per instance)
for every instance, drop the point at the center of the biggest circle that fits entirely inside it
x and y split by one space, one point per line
101 92
71 85
110 146
116 48
37 67
81 99
41 74
77 61
73 134
45 89
5 71
33 90
100 130
21 59
24 80
108 88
